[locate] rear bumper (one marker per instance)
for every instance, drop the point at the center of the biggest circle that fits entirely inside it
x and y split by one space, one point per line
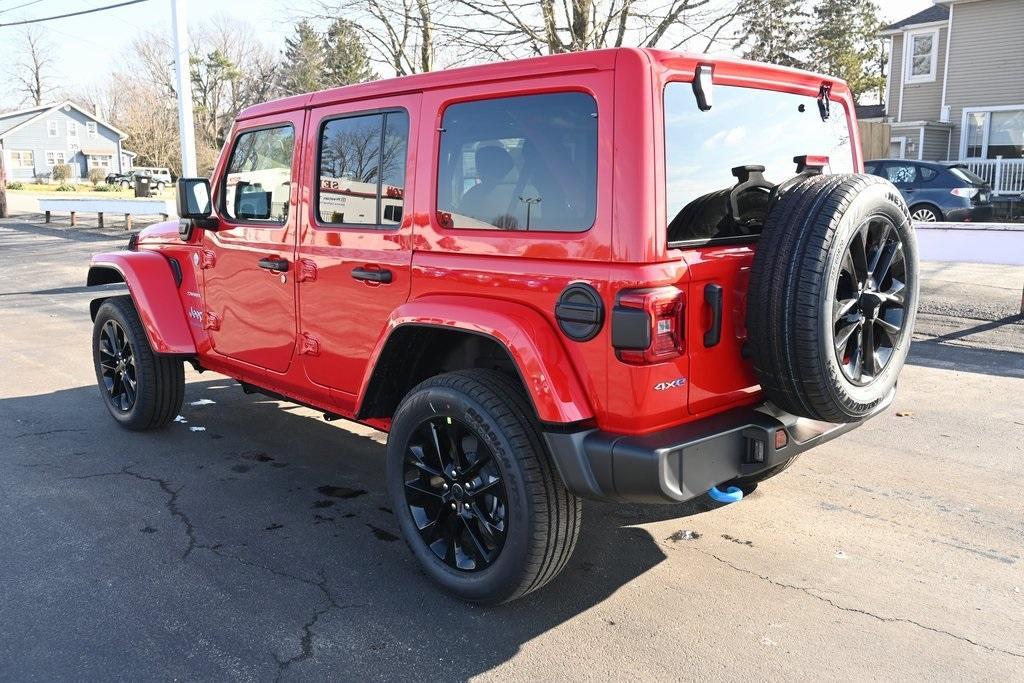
684 462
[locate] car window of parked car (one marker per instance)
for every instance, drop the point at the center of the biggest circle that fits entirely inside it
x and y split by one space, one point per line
744 127
257 181
519 163
362 169
927 174
871 169
967 176
901 174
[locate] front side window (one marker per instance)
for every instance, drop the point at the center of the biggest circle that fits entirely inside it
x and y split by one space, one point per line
921 56
519 163
901 174
362 169
21 159
746 127
257 184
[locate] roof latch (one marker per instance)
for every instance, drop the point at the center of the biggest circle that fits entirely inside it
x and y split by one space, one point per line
824 103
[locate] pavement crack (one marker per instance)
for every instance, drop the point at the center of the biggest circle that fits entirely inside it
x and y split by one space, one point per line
813 592
45 433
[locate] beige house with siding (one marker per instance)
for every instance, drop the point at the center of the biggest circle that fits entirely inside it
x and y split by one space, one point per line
955 90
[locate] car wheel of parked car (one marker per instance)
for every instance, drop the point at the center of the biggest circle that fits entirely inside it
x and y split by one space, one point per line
925 213
141 389
125 185
473 488
833 296
159 187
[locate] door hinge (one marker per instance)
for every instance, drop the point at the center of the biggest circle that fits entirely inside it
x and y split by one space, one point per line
212 321
308 345
306 271
207 259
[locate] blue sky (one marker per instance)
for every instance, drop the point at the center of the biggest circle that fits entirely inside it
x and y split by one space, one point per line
88 47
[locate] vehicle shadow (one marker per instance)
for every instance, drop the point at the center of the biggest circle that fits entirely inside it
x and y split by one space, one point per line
248 491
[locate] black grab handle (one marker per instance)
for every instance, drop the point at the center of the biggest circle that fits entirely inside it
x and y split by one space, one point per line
276 264
713 298
382 276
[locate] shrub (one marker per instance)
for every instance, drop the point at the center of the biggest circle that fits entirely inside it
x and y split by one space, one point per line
97 175
65 187
42 178
104 188
61 172
15 185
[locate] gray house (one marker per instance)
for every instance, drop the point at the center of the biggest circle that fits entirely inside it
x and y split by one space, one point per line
956 88
35 140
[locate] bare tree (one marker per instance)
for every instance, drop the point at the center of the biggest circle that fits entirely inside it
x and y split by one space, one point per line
33 65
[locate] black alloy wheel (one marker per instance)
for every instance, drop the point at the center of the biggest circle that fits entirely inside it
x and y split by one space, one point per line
117 366
869 306
455 494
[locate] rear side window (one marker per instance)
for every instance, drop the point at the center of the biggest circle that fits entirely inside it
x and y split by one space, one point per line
519 163
362 169
744 127
257 186
901 174
927 174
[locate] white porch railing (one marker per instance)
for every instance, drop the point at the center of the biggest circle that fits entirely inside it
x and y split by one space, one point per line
1004 176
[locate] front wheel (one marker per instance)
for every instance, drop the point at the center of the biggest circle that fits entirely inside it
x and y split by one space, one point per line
140 389
474 490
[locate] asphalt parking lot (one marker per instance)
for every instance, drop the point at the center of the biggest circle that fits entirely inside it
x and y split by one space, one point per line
253 541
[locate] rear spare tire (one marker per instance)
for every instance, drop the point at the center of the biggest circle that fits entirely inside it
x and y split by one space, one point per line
833 296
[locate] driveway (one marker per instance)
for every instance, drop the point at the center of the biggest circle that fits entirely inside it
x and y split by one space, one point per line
253 541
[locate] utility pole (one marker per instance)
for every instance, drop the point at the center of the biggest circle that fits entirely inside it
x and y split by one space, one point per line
183 74
3 188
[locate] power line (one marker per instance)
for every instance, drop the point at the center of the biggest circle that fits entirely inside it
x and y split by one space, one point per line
71 14
11 9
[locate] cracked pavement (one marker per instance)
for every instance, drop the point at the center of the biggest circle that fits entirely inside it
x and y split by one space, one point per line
263 547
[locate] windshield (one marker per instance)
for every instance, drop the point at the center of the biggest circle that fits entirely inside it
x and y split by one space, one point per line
744 127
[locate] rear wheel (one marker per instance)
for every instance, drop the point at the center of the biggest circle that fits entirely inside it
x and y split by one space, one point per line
477 498
925 213
141 389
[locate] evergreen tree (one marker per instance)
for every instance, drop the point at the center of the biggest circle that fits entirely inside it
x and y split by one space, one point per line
346 61
304 61
844 43
773 31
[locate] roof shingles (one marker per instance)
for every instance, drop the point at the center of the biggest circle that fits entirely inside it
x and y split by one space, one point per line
925 16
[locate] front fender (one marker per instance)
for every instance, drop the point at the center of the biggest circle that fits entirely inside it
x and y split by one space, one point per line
543 364
151 283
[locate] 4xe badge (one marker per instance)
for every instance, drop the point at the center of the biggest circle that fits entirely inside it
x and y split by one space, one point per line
674 384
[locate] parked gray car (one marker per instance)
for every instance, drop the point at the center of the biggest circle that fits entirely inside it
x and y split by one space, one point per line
936 192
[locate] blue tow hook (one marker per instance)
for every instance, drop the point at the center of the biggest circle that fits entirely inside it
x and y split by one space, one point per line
730 495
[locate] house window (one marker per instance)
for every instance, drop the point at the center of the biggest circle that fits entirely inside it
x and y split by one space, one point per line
99 161
922 55
22 159
90 129
51 129
72 129
998 132
54 158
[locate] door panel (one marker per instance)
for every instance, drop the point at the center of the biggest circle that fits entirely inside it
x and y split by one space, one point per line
251 308
355 247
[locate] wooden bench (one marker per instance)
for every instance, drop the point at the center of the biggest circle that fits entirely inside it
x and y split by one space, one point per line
128 207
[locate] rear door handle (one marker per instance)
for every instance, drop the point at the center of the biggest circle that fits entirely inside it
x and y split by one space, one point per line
277 264
382 275
713 298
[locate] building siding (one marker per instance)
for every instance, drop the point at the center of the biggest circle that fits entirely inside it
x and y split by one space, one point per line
986 59
921 101
35 137
936 140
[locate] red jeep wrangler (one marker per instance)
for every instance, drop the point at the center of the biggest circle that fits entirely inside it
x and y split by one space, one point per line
630 275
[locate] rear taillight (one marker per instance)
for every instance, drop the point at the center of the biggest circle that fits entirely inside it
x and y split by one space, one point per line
965 192
647 325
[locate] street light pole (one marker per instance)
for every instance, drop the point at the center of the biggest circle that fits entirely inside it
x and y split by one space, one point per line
183 81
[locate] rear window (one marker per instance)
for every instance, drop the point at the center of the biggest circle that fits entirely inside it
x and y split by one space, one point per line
744 127
520 163
967 176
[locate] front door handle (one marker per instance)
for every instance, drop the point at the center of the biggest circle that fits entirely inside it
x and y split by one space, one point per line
279 265
382 275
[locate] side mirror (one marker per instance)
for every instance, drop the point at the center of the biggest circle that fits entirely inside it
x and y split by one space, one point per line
251 202
194 198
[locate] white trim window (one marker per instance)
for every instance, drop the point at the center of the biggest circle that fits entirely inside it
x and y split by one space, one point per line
72 130
922 55
55 158
90 130
991 132
22 158
99 161
897 147
52 129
